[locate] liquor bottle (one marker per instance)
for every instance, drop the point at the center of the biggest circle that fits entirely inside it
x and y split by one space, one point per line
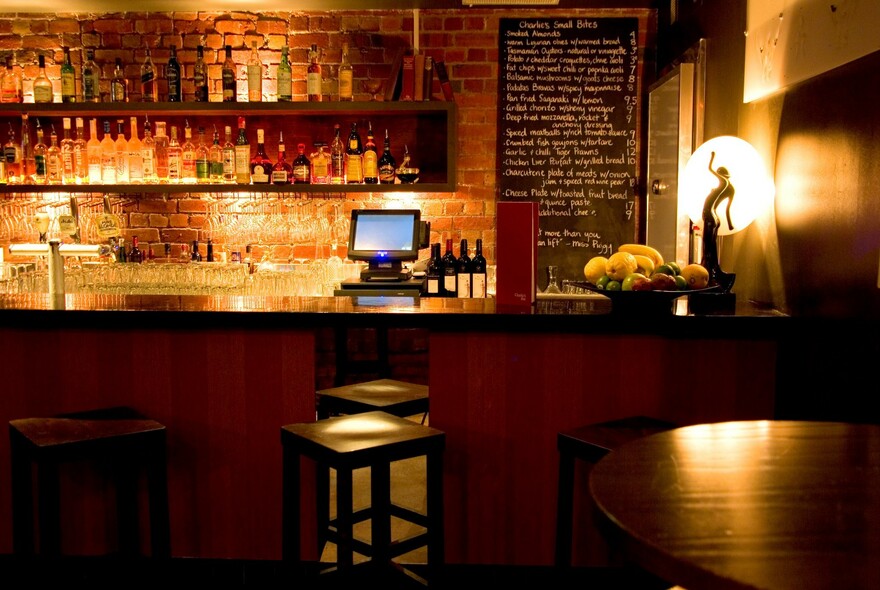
122 167
161 149
118 84
450 287
283 78
463 270
12 157
260 164
135 254
215 159
184 256
95 154
135 154
282 171
172 76
39 157
10 87
478 273
149 86
227 74
320 164
195 256
27 152
242 155
68 164
255 75
313 76
209 254
188 174
337 158
387 163
80 154
354 158
203 166
91 78
302 168
433 273
54 167
148 154
200 76
249 259
346 76
68 78
371 159
121 255
229 176
43 91
175 157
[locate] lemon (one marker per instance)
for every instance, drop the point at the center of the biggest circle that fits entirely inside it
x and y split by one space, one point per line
595 268
620 264
696 275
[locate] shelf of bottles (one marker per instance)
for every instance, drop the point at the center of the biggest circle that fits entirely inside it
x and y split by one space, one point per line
422 133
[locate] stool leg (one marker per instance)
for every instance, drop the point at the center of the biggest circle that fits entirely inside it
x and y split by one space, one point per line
564 509
290 507
344 525
322 481
22 500
436 531
160 518
49 509
125 474
380 512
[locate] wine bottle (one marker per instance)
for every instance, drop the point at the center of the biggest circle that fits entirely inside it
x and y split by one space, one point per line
260 164
227 74
433 273
68 78
371 159
450 287
200 76
195 256
209 257
463 271
172 76
135 254
478 272
387 163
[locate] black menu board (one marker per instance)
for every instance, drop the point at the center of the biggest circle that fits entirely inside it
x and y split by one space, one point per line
568 133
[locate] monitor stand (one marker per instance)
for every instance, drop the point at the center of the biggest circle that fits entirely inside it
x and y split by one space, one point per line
386 271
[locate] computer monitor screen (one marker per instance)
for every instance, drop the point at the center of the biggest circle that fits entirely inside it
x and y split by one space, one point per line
384 235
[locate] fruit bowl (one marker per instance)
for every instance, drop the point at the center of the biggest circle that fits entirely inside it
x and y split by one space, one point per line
641 301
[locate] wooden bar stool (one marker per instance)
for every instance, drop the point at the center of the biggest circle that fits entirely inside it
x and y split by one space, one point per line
119 436
345 443
590 443
398 398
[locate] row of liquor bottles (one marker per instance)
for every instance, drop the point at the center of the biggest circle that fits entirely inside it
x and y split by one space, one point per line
463 277
135 254
11 87
175 160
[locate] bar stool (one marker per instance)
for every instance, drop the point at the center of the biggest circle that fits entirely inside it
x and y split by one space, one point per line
590 443
345 443
120 436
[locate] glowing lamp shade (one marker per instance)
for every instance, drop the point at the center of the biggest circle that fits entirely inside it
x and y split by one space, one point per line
753 187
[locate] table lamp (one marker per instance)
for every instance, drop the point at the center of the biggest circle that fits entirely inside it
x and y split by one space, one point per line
724 187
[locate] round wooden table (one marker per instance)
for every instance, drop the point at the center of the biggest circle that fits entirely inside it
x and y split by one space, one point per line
756 504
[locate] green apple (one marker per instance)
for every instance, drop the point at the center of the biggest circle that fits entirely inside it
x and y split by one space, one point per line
627 283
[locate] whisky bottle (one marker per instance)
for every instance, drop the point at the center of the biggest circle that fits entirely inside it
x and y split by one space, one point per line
68 166
200 76
108 157
12 157
478 273
149 86
122 168
42 85
148 154
320 161
346 76
284 80
68 78
175 157
463 271
40 157
135 154
203 166
387 163
188 157
10 86
255 75
354 161
371 159
260 164
80 154
172 76
228 157
227 74
94 154
313 76
302 168
91 78
282 171
242 155
118 84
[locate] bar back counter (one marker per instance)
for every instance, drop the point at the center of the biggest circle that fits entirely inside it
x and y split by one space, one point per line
224 374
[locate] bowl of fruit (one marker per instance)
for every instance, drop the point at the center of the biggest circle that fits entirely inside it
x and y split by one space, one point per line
636 278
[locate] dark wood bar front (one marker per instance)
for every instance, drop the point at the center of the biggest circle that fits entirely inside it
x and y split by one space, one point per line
224 374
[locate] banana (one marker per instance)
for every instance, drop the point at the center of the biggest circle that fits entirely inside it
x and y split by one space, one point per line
642 250
646 264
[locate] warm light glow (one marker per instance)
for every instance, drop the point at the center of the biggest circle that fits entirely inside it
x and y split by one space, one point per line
355 425
753 186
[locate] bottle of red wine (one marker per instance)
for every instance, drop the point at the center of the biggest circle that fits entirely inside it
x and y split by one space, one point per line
449 280
478 272
463 270
434 272
135 254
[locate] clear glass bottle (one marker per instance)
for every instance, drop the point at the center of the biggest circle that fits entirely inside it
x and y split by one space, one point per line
43 91
135 154
122 168
161 145
80 153
95 154
172 77
108 157
313 76
200 76
215 158
91 78
260 164
255 75
175 158
148 154
302 172
188 174
320 160
68 78
27 151
282 171
54 166
118 84
228 77
346 76
40 175
68 164
387 163
203 166
229 176
149 85
337 158
283 78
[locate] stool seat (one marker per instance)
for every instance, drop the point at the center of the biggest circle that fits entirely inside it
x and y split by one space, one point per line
391 396
119 435
590 443
369 439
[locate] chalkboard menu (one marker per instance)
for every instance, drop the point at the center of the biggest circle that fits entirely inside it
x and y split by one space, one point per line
568 131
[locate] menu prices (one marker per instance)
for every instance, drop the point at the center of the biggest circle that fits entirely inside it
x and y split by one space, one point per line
568 129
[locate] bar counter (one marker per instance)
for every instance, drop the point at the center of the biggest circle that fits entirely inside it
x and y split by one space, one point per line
225 373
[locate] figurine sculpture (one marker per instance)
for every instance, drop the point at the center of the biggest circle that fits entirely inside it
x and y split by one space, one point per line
711 220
